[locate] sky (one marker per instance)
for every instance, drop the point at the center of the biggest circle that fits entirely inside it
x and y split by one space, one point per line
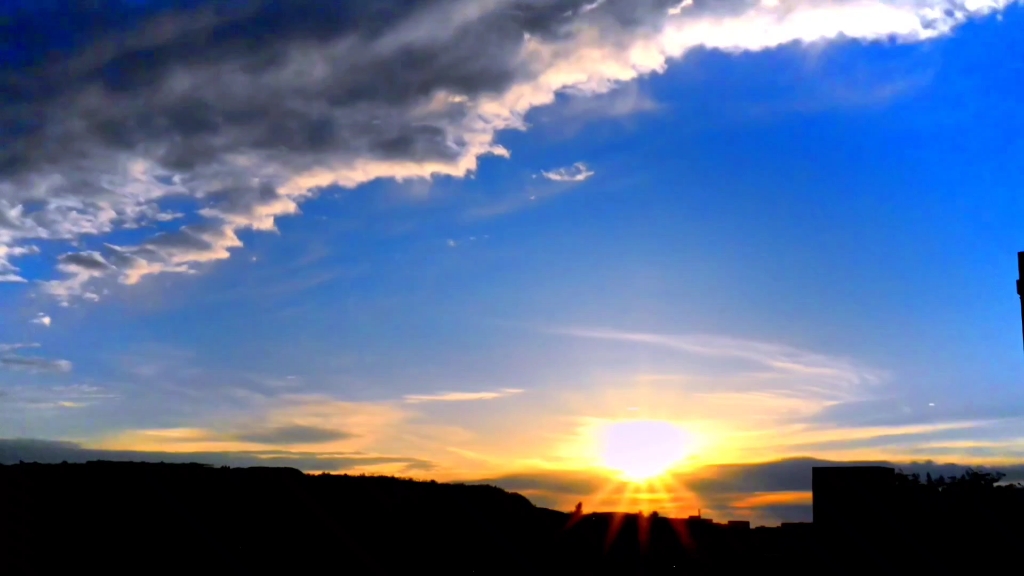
545 244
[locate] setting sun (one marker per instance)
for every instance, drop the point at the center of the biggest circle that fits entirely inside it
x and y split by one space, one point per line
643 449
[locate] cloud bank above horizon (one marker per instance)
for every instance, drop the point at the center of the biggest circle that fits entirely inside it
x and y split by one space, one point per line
205 122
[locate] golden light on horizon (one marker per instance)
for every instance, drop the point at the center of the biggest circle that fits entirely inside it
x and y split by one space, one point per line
640 450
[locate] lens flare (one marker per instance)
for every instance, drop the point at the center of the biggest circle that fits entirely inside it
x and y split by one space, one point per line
643 449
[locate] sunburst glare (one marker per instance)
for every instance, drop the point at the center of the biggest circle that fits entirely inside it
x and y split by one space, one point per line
643 449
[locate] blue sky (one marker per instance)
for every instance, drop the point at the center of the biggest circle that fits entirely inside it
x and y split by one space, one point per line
783 240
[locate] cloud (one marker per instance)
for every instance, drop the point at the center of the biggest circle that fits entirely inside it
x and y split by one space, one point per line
743 400
295 434
81 267
460 396
551 489
244 112
8 270
842 375
42 320
578 172
34 397
13 451
568 483
779 491
764 492
571 114
12 347
501 204
34 364
29 363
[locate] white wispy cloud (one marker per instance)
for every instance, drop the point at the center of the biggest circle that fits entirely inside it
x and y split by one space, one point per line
334 107
8 271
55 397
12 347
578 172
825 369
460 396
42 319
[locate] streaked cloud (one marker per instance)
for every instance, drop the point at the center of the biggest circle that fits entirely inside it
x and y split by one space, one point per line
22 397
843 374
578 172
52 452
9 358
8 271
13 347
460 396
249 132
499 205
34 364
42 319
294 434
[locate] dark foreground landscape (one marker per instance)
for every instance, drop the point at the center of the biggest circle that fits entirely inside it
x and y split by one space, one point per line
173 517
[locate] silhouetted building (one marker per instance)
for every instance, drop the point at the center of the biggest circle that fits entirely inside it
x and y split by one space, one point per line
739 524
1020 286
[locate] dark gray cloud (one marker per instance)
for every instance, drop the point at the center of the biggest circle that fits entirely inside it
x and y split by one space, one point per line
786 513
33 363
285 435
13 451
246 109
85 261
558 483
759 492
793 475
723 489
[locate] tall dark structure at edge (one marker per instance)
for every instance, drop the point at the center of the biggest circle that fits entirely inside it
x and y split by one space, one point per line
1020 288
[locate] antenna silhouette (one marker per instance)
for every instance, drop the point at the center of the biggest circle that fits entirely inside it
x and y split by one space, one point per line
1020 288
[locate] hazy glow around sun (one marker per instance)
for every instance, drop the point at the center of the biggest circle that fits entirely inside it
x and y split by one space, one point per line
643 449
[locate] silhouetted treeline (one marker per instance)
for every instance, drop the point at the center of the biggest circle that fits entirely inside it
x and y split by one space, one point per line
971 518
173 517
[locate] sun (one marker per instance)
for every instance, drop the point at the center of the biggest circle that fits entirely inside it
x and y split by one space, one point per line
643 449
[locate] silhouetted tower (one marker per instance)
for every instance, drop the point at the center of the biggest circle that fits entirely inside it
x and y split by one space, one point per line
1020 287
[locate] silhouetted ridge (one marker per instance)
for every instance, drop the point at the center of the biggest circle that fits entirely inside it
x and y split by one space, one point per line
118 516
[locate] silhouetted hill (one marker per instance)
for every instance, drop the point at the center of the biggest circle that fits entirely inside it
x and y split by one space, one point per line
117 516
138 516
109 513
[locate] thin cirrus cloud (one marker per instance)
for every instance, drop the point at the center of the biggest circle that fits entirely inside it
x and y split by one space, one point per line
42 319
34 364
843 375
21 398
48 451
578 172
12 359
294 434
460 396
247 131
